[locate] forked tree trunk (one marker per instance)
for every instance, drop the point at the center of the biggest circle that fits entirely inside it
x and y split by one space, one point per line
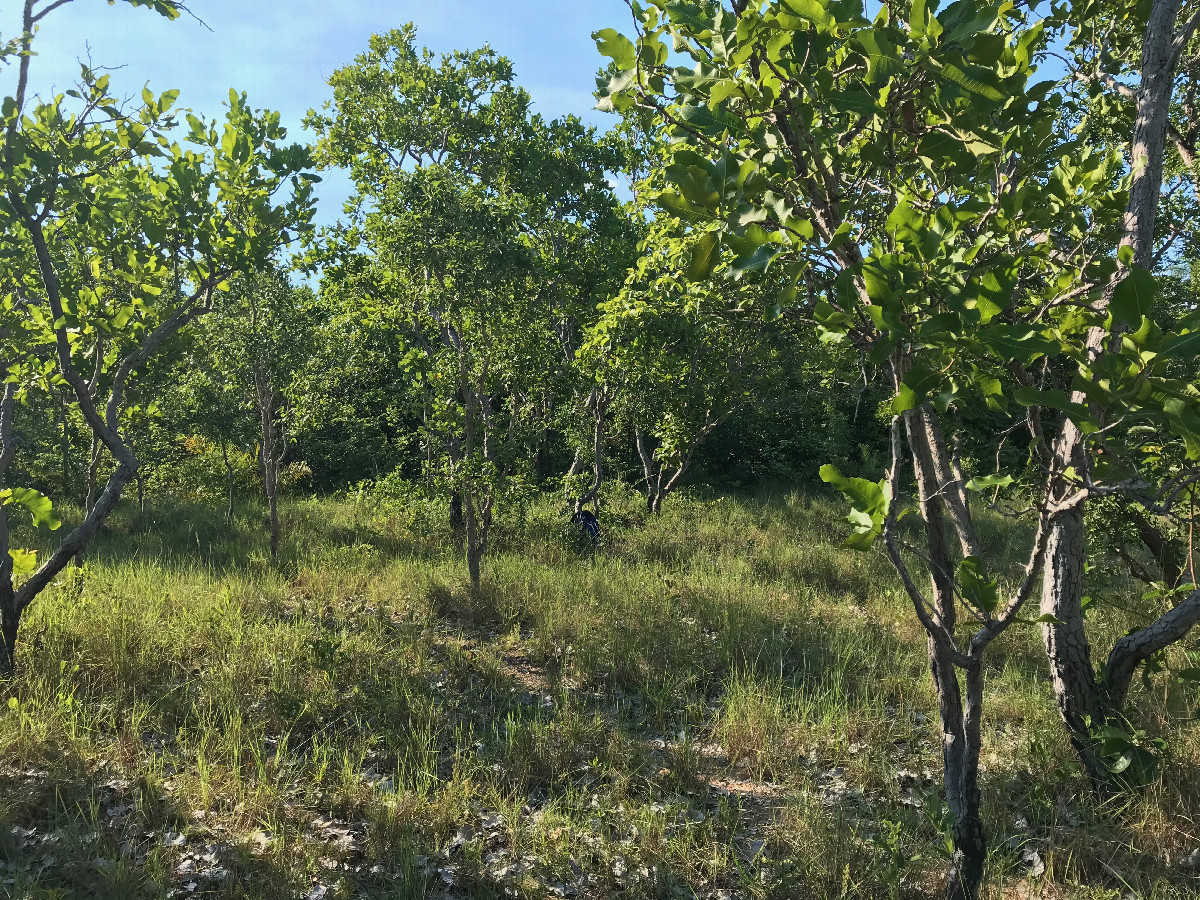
960 726
1085 703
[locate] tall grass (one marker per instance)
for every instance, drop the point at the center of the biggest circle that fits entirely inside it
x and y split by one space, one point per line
716 702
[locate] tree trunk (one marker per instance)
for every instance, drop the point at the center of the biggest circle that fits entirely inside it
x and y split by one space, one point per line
1079 698
269 453
65 448
10 618
89 501
458 522
960 731
1082 701
229 481
475 541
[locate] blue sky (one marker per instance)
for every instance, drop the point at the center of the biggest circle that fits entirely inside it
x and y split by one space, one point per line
281 51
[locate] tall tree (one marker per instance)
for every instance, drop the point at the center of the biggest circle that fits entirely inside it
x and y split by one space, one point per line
477 218
914 184
115 238
1145 42
260 340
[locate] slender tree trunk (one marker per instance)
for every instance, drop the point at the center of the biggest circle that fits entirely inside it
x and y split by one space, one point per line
1083 702
652 472
9 612
458 522
228 481
65 448
89 501
270 459
960 728
10 619
475 546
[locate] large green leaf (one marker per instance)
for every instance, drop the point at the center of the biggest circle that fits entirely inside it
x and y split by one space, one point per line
1133 297
37 504
980 591
616 46
24 561
918 382
983 482
1018 342
869 501
976 79
705 255
813 11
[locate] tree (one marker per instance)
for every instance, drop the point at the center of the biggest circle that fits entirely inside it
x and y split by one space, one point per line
678 358
260 340
474 218
1149 42
115 238
915 186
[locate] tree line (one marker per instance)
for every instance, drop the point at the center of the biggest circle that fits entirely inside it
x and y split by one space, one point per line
944 255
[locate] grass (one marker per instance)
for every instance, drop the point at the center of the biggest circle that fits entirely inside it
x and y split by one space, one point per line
716 703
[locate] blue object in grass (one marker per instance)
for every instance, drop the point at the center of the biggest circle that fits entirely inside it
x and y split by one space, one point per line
589 523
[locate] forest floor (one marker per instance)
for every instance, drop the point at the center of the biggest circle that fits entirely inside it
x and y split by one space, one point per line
715 703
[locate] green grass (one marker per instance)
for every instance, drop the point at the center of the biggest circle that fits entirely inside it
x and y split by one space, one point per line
716 703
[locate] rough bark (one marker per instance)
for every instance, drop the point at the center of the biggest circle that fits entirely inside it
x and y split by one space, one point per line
960 726
9 615
1085 703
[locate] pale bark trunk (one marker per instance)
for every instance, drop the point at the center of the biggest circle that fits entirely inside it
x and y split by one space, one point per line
228 481
1083 702
269 453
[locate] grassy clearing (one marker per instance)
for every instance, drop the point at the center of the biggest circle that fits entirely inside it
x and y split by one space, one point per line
717 703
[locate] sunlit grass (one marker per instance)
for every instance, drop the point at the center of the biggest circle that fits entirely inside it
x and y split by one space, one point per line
718 702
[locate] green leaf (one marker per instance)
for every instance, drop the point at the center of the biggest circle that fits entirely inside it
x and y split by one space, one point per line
24 561
1053 399
989 481
813 11
918 382
1181 346
617 47
979 590
705 256
882 59
869 501
1133 297
975 79
1018 342
37 504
